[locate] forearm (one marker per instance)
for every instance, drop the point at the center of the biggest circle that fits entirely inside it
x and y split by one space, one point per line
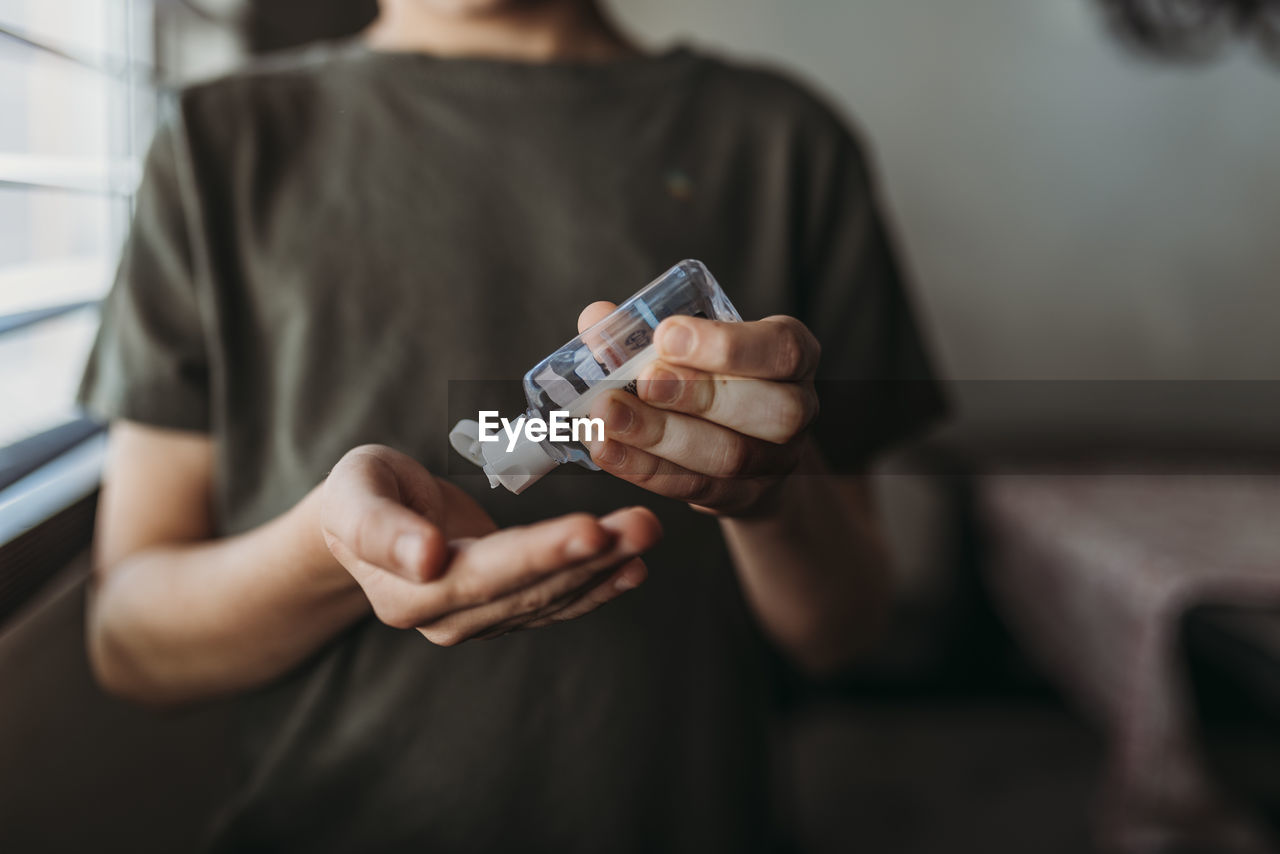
183 622
815 571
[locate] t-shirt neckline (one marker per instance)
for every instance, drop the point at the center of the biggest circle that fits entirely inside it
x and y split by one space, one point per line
638 68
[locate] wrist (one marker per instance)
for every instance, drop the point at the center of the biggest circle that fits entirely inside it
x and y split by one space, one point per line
777 503
306 526
767 510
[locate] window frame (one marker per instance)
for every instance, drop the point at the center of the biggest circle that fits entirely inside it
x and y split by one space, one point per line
49 480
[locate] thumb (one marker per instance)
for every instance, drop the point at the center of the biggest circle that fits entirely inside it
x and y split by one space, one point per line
364 511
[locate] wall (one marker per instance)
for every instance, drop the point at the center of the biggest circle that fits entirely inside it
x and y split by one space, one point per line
1069 211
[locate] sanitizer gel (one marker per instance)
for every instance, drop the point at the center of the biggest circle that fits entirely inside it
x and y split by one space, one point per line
610 354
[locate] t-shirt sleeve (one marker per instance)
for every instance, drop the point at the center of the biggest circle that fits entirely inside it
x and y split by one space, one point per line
876 385
149 361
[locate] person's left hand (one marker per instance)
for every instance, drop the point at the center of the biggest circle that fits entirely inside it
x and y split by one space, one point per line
719 420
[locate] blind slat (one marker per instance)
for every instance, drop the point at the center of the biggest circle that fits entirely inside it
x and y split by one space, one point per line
94 175
23 319
129 71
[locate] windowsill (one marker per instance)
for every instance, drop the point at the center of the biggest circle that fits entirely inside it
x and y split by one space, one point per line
51 489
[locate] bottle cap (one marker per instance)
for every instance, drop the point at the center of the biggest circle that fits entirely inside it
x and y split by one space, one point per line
516 469
465 438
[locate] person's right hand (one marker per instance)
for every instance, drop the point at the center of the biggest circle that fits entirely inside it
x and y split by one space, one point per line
428 557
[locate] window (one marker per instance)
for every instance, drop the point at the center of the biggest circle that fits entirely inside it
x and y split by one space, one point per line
79 107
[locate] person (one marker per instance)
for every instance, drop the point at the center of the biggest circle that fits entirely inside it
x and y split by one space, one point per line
329 241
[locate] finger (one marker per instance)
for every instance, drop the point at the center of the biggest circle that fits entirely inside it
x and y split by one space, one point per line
602 341
692 443
396 601
594 313
512 610
666 478
516 611
636 530
627 577
776 348
406 604
773 411
527 619
512 559
489 567
362 511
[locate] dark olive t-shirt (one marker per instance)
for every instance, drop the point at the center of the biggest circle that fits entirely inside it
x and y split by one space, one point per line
326 244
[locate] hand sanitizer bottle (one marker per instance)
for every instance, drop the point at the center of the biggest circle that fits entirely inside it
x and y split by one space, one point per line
611 354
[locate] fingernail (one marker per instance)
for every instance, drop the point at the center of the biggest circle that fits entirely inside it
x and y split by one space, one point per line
409 550
676 340
608 453
624 584
580 549
618 418
660 387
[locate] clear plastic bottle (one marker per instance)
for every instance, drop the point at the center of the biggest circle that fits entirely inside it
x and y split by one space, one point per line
610 354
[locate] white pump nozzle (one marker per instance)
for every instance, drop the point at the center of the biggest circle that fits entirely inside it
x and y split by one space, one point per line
516 469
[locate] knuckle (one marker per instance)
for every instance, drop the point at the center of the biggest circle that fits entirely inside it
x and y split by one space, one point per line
789 354
460 587
735 458
699 490
802 349
363 535
722 347
466 592
533 600
795 412
791 417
